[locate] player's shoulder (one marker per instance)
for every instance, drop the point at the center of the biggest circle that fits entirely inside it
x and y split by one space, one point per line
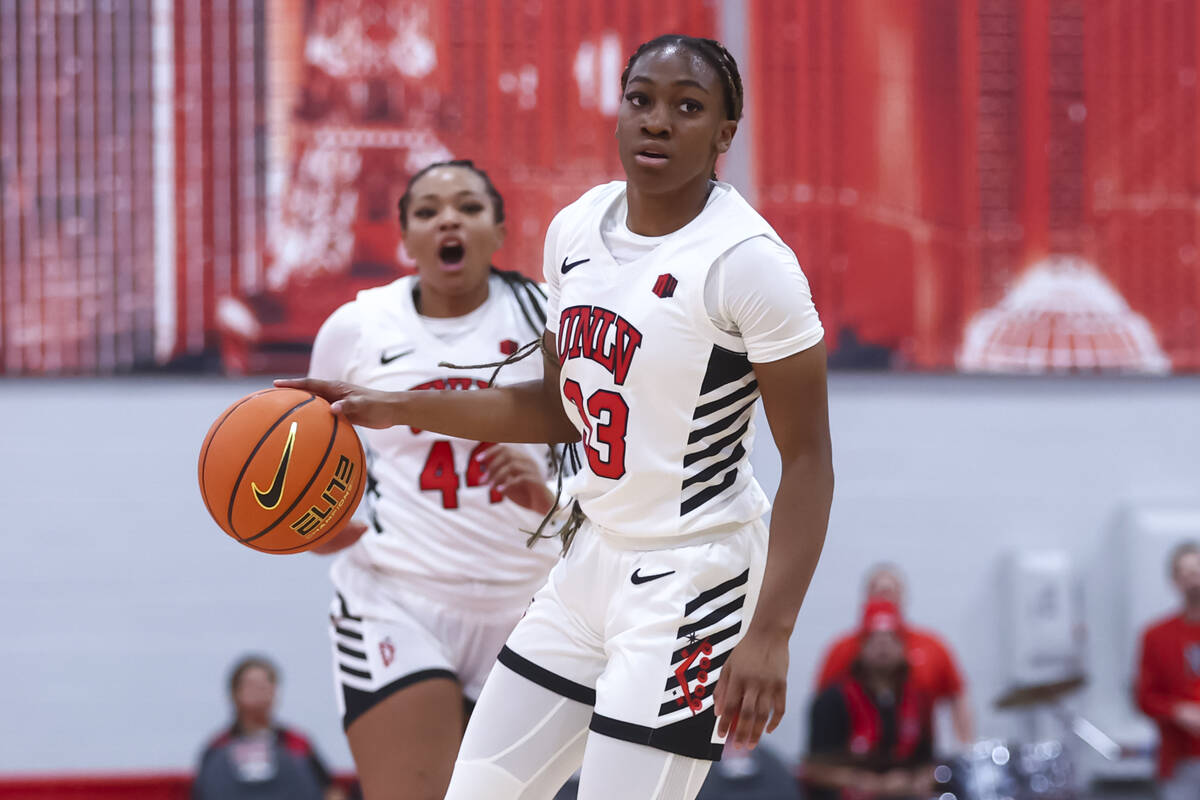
384 296
588 204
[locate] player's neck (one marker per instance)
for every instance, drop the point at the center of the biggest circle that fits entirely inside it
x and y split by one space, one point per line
435 304
660 214
1191 612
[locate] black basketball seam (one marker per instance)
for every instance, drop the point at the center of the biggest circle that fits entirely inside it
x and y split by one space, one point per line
246 464
208 445
307 486
334 524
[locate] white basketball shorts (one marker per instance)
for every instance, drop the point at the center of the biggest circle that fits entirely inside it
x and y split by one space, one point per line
419 639
641 635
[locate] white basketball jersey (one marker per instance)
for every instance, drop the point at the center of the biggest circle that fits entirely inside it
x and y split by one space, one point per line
436 526
664 400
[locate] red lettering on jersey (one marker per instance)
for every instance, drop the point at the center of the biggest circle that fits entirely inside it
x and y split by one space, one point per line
601 320
628 340
569 318
583 333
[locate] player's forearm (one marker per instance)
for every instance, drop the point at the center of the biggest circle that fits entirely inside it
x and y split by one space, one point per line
799 518
523 412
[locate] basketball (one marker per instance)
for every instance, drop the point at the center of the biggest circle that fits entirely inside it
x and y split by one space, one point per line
280 472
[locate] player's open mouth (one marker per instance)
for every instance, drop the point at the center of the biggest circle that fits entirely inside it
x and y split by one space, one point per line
451 253
651 158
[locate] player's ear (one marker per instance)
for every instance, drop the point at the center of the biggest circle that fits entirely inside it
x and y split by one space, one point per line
501 233
725 135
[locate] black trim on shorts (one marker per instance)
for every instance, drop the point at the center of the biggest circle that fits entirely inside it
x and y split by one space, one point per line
359 702
691 737
547 679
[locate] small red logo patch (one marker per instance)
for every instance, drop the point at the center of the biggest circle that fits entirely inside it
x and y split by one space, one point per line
665 285
508 347
388 651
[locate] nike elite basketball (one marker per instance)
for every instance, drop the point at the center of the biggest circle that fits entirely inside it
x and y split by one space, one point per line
280 472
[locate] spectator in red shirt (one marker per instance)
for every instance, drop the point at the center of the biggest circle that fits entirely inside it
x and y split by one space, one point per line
1168 681
871 733
932 666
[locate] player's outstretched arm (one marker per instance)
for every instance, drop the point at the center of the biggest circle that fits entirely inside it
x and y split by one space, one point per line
751 695
523 412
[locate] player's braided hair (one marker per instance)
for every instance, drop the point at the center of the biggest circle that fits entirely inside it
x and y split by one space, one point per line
562 462
464 163
711 51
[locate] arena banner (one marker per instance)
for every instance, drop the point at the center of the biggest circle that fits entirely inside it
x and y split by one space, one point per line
997 186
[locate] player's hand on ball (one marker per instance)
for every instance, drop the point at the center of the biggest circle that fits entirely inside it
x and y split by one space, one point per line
752 692
357 404
518 477
348 535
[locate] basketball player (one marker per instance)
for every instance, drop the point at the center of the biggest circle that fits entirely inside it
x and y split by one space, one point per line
673 306
427 596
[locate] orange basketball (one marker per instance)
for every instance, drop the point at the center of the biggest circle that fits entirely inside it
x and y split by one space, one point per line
280 472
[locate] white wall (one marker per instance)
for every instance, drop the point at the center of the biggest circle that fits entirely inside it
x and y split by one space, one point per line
127 604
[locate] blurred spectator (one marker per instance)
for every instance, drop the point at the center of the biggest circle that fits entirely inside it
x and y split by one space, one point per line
1168 681
933 668
870 733
256 757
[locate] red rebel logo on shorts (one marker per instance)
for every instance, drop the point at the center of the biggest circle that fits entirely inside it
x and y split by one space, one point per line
388 651
694 698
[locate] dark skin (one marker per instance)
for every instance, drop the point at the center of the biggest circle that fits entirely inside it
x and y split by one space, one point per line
671 127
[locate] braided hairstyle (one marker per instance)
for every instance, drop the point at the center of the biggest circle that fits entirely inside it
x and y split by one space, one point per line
713 52
464 163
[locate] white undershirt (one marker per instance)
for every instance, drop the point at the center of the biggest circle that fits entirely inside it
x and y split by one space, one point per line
451 329
755 290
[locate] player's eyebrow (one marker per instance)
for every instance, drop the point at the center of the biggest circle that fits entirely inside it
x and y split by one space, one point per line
680 82
460 193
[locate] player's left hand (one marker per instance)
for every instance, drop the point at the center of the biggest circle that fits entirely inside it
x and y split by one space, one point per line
752 691
518 476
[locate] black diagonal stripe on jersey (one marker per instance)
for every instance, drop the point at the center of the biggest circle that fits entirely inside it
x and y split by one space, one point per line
345 610
350 634
715 592
358 673
671 706
714 640
708 493
711 471
724 366
717 446
690 675
351 652
712 618
721 424
728 400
